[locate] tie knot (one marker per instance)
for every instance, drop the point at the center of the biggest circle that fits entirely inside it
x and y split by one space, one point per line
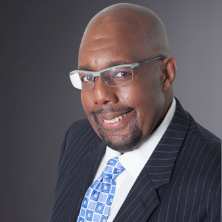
113 169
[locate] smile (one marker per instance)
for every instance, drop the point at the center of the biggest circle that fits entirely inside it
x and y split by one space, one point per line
116 119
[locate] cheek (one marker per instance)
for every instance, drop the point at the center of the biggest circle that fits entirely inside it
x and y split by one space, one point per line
141 94
147 97
126 95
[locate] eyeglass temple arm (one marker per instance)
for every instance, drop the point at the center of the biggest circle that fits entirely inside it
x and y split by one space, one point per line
149 60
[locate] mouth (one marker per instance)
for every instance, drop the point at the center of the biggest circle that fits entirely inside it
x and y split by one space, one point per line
117 121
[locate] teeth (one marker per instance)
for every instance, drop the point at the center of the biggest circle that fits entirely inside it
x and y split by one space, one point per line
116 119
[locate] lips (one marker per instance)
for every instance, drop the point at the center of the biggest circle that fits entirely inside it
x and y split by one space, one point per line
113 118
116 119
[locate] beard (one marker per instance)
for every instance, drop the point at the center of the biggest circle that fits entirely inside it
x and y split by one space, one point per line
121 143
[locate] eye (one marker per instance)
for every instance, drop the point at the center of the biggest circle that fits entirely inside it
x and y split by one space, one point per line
87 78
122 74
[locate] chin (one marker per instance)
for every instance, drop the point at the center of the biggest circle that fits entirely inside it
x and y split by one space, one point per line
124 143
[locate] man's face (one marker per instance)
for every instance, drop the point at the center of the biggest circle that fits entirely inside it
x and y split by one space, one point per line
139 104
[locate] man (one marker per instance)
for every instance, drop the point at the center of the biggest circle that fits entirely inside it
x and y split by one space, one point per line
169 166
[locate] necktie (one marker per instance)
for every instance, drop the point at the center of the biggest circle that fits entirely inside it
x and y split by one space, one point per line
99 197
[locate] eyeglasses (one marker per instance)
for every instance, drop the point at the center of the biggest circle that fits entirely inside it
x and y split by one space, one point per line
114 76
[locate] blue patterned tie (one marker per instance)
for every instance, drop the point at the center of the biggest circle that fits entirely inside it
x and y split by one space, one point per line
99 197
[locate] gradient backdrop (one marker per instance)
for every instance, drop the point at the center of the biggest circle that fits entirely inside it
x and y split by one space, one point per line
39 43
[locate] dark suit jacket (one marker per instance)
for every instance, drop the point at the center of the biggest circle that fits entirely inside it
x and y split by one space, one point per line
180 182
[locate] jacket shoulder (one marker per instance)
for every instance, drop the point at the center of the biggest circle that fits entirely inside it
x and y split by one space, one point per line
80 128
201 156
204 135
80 133
78 123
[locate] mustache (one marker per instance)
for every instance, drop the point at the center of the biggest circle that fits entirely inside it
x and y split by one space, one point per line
112 110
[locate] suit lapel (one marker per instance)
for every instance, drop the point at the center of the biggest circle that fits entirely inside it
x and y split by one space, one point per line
161 163
143 198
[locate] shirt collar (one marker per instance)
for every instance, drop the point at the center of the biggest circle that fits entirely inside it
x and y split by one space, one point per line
135 160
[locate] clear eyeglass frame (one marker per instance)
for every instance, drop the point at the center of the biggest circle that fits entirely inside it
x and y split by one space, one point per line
77 82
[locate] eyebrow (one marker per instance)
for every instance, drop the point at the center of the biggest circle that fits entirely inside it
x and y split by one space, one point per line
108 65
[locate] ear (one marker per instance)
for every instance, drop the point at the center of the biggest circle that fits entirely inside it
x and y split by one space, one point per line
169 68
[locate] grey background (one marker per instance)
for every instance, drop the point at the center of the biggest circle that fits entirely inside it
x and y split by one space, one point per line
39 43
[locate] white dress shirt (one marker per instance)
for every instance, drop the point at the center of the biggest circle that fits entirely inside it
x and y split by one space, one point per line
133 162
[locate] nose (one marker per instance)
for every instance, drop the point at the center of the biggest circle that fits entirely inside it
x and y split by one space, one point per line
103 93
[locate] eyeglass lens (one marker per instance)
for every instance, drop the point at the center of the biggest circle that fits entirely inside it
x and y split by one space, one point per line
112 77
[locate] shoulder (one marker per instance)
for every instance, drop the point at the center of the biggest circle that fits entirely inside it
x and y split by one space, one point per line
196 177
195 130
79 134
200 159
199 145
79 123
204 135
205 146
80 129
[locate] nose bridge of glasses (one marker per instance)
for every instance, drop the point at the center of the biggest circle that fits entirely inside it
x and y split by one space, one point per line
97 74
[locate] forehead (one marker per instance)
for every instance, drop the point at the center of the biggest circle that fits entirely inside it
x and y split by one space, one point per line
107 42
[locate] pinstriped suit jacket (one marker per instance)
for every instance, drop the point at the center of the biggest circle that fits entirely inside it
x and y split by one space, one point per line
180 182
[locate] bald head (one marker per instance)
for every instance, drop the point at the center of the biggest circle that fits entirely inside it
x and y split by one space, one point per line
142 27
